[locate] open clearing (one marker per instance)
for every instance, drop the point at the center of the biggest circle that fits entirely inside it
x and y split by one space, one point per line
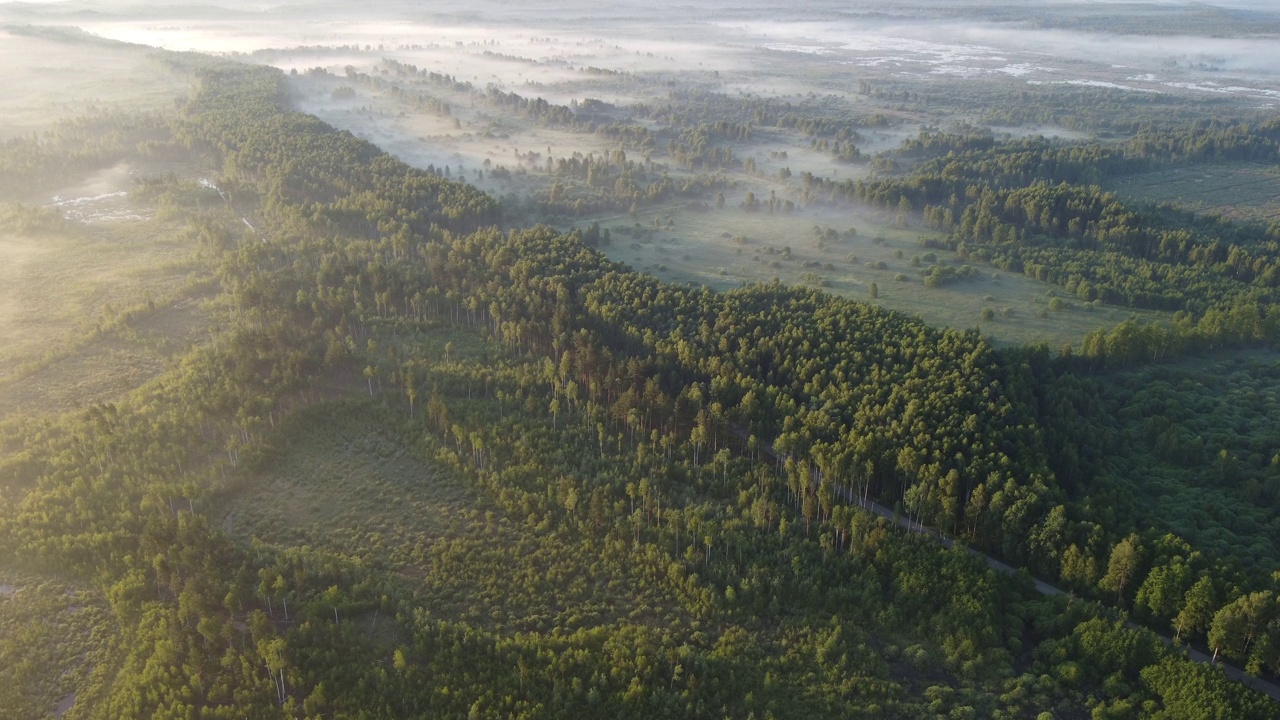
726 248
94 308
46 80
55 290
344 483
1240 191
108 366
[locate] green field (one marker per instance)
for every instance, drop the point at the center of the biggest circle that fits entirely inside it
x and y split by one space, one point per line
1237 190
706 248
91 311
343 483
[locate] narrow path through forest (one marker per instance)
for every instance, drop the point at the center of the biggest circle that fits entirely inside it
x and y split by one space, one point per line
1269 689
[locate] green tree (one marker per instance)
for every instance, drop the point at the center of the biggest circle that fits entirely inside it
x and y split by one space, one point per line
1239 622
1163 591
1126 557
1197 609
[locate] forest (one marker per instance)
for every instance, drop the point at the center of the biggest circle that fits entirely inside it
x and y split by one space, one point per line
425 449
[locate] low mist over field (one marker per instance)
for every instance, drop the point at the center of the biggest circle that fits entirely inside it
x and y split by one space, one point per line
1062 70
1227 41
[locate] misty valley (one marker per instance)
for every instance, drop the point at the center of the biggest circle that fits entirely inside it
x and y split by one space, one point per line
553 360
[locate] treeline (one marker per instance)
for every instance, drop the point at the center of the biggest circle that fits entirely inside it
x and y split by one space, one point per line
431 78
1034 207
694 148
333 179
612 182
734 119
418 100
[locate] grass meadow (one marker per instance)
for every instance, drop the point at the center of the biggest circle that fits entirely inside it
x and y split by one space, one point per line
729 247
1237 190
